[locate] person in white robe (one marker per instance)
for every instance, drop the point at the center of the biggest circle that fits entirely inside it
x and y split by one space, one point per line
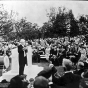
14 61
47 52
29 55
83 53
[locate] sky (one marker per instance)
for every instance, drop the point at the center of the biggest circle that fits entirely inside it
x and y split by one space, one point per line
35 11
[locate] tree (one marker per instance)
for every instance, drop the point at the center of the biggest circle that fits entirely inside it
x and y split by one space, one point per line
74 28
63 22
6 23
83 24
27 30
46 30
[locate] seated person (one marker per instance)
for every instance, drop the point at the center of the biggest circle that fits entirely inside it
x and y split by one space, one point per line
83 64
66 78
67 62
80 69
54 60
86 64
41 82
85 74
35 56
18 82
47 72
84 80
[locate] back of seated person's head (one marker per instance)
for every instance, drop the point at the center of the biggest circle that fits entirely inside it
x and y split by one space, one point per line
41 82
67 64
16 82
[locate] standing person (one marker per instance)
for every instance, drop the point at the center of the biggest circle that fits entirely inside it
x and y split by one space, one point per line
29 54
47 52
83 54
22 50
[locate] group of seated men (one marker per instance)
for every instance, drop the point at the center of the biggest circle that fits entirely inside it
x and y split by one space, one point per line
52 77
72 71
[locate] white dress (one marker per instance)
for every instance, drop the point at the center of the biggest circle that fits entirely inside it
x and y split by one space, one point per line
47 53
83 54
29 56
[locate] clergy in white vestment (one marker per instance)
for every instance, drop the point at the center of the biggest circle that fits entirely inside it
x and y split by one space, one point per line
29 54
47 52
83 53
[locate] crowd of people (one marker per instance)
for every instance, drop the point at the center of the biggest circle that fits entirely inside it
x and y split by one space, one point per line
67 58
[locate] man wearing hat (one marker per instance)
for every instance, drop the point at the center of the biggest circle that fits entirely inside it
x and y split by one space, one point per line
22 56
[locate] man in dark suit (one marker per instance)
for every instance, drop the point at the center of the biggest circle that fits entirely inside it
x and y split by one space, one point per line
18 82
22 56
66 78
48 72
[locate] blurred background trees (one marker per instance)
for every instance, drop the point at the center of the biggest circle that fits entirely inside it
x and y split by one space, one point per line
61 23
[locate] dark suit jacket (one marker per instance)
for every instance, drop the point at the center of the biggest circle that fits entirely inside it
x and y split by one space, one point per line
47 72
22 58
69 79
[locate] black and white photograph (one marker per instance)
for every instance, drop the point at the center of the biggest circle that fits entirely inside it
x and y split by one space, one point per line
43 44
